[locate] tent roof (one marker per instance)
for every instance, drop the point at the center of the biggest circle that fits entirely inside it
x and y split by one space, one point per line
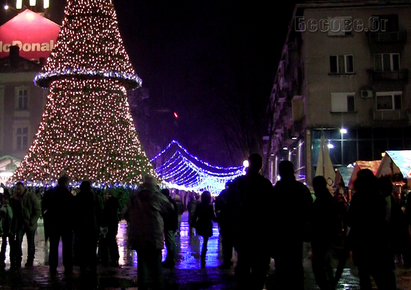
361 164
396 161
343 172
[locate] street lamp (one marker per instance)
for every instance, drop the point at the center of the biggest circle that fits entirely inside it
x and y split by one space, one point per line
342 131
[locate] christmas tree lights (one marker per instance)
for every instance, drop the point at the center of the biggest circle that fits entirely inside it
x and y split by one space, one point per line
185 171
87 130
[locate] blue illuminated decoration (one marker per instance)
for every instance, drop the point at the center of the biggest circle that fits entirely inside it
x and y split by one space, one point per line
181 170
43 79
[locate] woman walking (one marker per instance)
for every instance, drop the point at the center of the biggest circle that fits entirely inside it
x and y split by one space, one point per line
203 222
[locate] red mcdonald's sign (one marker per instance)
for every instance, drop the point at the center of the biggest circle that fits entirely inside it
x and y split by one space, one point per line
34 34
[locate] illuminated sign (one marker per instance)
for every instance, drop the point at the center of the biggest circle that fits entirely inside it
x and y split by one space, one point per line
31 32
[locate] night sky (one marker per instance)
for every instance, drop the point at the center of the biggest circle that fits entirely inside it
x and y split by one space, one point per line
189 54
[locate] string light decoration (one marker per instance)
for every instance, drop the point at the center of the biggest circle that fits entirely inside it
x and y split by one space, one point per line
87 130
181 170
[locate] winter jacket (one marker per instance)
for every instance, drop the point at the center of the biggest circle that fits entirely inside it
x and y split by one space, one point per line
6 214
88 213
203 219
60 209
26 209
144 214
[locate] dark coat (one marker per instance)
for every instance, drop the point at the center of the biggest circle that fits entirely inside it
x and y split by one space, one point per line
171 219
203 219
88 214
110 213
60 209
324 223
369 227
291 213
249 208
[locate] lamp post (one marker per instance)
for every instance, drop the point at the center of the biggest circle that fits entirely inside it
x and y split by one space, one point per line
342 131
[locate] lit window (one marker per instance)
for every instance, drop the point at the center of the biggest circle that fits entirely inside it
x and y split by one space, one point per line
342 102
340 64
388 101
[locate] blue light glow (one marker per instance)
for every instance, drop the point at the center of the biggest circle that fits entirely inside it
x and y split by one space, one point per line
185 171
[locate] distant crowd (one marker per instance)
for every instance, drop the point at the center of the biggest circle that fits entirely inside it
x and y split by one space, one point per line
257 222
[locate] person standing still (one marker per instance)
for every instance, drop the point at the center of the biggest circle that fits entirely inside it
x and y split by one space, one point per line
6 218
144 214
108 247
248 208
292 202
87 227
26 212
61 215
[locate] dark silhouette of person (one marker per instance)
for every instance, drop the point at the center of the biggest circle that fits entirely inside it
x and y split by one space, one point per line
203 220
180 210
397 222
369 239
61 214
170 228
108 247
6 219
224 227
324 228
191 207
87 228
292 202
249 208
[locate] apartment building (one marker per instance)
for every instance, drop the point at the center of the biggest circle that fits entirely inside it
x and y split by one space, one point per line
344 74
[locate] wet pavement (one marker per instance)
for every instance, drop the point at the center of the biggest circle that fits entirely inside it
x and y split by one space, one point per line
186 275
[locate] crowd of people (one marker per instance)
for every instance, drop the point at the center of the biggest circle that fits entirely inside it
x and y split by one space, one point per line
257 221
95 221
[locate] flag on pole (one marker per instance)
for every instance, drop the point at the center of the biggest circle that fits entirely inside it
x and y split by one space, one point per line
324 164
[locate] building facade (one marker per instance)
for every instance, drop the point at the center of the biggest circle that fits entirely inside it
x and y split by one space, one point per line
344 74
21 103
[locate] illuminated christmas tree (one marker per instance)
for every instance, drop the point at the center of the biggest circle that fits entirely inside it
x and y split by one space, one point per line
87 130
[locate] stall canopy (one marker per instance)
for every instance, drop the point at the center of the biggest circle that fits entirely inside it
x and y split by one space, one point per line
343 175
396 162
358 165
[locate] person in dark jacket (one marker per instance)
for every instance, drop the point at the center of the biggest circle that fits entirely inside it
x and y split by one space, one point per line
180 208
203 220
324 228
26 212
61 214
248 209
291 210
170 227
224 227
368 237
397 222
87 229
108 248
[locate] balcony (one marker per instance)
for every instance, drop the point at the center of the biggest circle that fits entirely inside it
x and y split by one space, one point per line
398 75
388 37
393 115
